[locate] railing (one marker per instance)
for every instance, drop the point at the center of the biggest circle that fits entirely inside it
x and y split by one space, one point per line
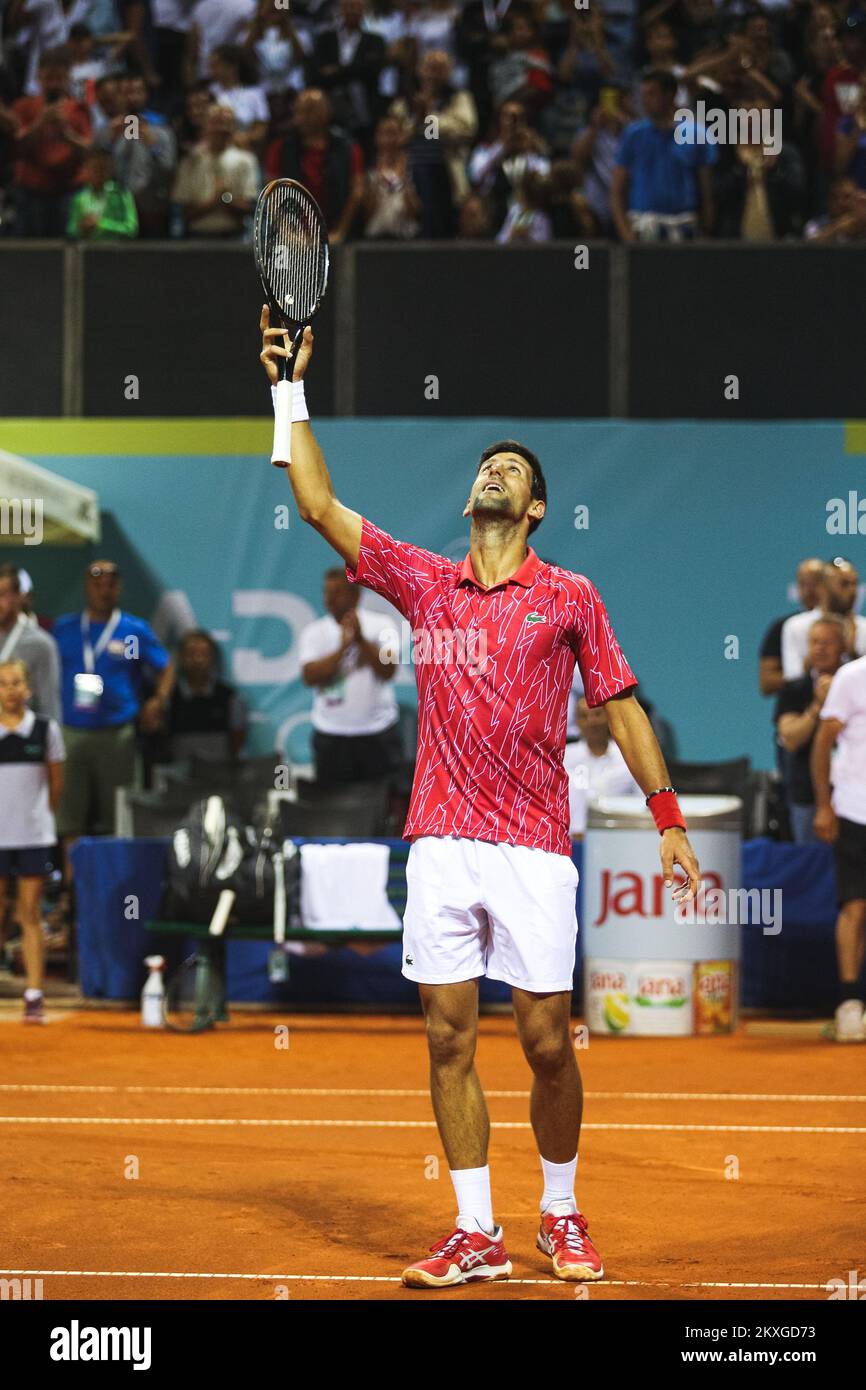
715 330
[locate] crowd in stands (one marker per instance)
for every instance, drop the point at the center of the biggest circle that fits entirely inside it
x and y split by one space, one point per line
511 121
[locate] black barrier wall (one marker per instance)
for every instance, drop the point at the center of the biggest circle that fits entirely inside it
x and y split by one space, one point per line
715 331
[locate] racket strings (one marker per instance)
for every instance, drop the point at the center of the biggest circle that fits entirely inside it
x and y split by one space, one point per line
295 252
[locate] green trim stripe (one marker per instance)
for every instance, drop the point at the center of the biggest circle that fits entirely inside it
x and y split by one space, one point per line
855 436
123 437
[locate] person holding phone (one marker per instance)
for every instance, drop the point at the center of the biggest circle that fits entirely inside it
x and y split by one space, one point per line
53 135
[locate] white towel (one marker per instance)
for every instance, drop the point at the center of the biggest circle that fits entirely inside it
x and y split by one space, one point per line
346 886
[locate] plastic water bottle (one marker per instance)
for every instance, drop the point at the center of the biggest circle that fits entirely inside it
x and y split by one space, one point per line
153 993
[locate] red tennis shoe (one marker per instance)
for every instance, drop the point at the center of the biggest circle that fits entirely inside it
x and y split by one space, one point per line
459 1259
564 1236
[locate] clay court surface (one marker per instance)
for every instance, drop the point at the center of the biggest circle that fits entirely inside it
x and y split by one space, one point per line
306 1167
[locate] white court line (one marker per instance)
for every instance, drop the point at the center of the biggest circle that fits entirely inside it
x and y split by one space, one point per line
383 1279
346 1091
409 1124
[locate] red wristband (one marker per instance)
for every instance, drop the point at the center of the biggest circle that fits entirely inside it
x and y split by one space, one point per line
666 811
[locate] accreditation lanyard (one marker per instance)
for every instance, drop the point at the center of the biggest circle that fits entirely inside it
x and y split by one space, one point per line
90 653
14 638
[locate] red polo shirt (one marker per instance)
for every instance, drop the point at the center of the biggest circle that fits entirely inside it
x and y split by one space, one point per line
494 669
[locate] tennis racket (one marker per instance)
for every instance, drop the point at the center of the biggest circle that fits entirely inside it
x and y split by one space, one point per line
290 246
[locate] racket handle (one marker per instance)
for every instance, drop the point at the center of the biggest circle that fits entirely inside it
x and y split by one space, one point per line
282 455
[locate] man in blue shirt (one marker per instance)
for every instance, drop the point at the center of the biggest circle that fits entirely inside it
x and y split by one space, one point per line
103 651
661 188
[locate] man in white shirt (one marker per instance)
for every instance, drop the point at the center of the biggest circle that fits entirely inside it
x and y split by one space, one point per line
840 819
349 658
837 594
217 184
595 766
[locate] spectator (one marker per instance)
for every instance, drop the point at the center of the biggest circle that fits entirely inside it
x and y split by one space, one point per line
349 658
851 143
346 64
524 72
324 160
845 218
53 135
480 38
29 643
475 224
102 210
496 168
584 67
30 30
103 651
840 819
281 49
433 26
86 64
440 125
28 603
527 219
837 594
661 190
143 163
215 22
217 184
391 202
759 194
810 579
569 212
595 766
172 21
107 102
232 71
192 123
841 89
662 45
594 152
205 717
798 712
822 52
31 783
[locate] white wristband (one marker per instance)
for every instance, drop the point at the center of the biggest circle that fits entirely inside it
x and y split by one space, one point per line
299 403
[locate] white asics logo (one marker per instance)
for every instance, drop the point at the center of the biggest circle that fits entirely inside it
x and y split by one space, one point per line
475 1257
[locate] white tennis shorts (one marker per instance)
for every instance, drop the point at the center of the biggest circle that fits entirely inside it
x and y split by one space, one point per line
476 908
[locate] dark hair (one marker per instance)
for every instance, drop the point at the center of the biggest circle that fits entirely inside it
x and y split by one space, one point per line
80 31
662 77
539 486
199 634
11 572
239 58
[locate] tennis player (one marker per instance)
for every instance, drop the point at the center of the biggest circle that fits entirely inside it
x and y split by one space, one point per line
490 875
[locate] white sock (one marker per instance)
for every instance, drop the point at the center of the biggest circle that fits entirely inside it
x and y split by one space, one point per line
31 994
474 1203
558 1183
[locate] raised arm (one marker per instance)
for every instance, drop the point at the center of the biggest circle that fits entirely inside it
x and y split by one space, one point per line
308 473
